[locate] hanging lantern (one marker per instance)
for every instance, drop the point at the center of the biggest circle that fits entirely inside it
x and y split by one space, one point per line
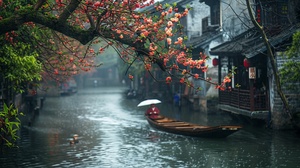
215 61
246 63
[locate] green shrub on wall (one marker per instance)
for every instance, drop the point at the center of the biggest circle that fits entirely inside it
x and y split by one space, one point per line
9 125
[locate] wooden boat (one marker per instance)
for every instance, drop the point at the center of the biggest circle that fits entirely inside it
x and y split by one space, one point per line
188 129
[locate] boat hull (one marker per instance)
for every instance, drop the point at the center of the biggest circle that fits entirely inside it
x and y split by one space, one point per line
193 130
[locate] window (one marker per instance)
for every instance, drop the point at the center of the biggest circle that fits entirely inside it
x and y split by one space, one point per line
204 24
272 13
215 13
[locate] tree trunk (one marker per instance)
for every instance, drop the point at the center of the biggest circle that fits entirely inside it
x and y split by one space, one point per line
270 55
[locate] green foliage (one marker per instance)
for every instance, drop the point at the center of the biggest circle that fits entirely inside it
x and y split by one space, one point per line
290 73
19 65
11 5
9 125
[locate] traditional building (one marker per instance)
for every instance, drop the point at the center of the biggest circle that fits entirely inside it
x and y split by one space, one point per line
252 90
211 23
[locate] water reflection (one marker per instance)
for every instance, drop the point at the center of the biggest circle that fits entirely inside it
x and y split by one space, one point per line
113 133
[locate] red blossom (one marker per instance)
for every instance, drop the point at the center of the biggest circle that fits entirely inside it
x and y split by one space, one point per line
182 80
226 79
56 71
148 67
124 24
168 80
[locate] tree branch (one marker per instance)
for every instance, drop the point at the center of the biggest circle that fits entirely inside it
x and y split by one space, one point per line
69 10
83 36
39 4
61 25
99 19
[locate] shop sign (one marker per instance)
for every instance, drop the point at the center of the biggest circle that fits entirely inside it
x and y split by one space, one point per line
252 72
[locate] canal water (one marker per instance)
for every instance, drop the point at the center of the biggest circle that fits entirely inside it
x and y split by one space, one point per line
113 133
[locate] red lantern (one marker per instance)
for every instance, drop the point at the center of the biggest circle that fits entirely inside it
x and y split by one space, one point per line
215 61
246 63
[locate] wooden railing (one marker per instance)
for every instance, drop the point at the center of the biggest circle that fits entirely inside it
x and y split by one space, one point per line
242 99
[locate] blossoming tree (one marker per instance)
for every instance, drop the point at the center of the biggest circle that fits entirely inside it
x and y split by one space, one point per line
55 28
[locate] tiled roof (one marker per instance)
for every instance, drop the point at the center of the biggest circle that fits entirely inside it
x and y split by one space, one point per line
204 39
250 43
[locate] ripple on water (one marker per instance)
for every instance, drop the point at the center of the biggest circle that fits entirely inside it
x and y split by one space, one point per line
113 133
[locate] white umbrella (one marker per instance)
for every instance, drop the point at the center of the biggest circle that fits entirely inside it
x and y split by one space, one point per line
149 102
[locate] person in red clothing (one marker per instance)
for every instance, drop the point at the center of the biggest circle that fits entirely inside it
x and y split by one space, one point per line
153 112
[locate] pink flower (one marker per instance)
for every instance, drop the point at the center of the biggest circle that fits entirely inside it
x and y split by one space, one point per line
179 41
170 10
152 47
169 31
170 24
101 50
181 80
92 50
168 79
123 18
226 79
178 15
98 4
175 19
169 41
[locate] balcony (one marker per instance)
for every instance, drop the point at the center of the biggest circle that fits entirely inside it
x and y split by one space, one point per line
244 102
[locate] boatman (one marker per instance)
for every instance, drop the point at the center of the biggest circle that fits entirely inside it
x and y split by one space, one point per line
153 112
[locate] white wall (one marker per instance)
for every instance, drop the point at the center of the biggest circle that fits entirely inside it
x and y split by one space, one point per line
235 18
195 16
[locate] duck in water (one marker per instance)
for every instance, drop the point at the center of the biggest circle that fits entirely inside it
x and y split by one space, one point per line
74 139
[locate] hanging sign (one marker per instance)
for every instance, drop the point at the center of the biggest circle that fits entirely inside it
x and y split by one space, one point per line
252 72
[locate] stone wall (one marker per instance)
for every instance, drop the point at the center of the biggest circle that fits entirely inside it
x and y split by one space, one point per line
281 119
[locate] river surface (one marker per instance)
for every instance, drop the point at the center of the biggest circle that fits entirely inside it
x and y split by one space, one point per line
113 133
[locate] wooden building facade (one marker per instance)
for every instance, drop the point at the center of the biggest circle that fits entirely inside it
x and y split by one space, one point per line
251 91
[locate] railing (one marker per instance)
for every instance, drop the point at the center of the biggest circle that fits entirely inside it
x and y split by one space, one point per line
242 99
